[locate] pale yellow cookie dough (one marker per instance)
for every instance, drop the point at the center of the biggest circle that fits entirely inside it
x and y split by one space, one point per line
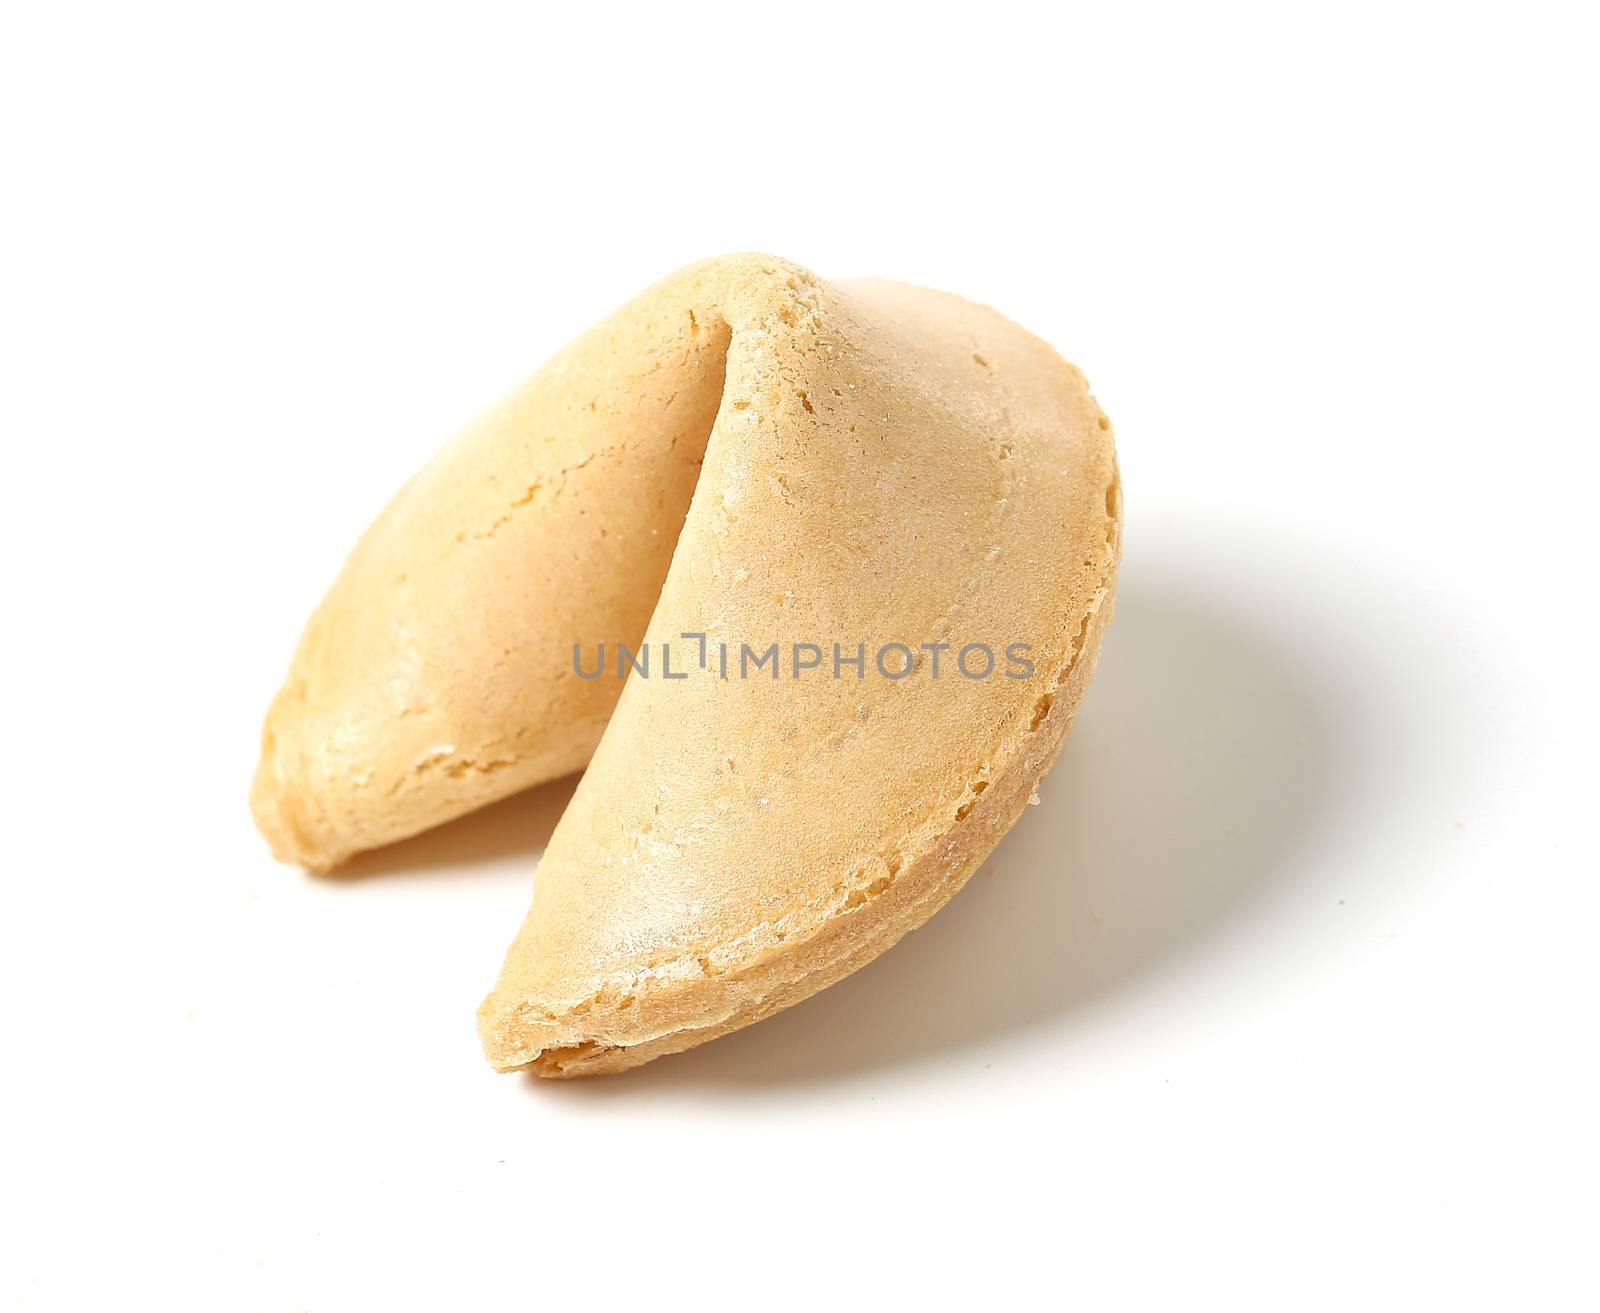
860 463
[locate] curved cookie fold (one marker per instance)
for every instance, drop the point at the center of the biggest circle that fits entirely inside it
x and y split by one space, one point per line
437 674
888 465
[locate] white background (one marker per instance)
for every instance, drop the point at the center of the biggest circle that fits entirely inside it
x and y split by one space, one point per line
1285 996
